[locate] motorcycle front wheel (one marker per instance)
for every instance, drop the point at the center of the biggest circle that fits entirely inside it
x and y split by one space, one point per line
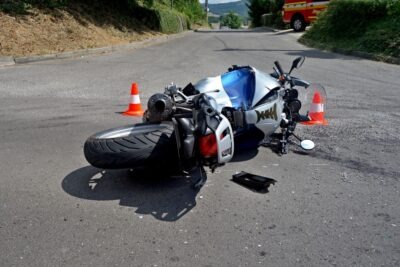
139 145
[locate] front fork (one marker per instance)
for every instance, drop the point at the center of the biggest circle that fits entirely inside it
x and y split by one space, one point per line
288 126
287 131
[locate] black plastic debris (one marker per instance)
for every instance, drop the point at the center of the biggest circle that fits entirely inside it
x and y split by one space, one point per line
253 182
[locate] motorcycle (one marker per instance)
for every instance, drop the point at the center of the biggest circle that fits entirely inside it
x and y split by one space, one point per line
203 124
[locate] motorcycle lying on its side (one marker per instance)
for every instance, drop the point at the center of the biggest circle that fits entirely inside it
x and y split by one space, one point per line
203 124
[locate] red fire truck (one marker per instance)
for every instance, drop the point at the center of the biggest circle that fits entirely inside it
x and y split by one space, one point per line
301 13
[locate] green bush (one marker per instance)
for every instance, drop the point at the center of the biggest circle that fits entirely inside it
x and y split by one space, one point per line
20 6
231 20
350 18
393 7
170 21
278 22
158 15
10 6
382 36
155 14
191 8
363 25
266 13
257 8
48 3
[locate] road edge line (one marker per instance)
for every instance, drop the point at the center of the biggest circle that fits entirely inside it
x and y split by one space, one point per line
10 60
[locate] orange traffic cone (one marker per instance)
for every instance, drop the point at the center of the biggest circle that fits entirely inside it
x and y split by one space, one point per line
316 111
134 108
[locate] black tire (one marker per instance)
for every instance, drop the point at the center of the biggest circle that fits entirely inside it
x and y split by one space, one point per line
139 145
298 23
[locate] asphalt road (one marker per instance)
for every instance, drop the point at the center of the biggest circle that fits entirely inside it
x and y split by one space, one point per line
336 206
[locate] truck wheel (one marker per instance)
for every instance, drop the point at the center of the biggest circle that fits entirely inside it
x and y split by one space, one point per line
298 23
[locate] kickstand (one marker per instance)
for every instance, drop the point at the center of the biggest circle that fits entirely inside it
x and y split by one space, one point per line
201 178
298 138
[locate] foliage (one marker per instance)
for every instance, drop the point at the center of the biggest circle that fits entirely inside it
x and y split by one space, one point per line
383 37
191 8
393 7
278 21
20 6
10 6
276 9
231 20
170 21
362 25
156 14
256 9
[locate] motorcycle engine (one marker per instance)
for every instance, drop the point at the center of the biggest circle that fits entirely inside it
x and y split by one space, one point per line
159 108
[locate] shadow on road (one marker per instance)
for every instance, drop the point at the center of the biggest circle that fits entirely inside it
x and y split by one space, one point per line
151 192
165 198
244 155
313 53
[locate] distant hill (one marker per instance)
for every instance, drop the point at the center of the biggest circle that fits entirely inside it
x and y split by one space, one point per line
238 7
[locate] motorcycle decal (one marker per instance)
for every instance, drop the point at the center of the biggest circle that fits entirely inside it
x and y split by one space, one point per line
267 114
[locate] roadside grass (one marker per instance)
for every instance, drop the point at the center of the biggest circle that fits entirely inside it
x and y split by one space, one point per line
34 27
358 25
157 15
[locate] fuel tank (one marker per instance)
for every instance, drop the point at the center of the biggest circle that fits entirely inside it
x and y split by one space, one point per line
240 88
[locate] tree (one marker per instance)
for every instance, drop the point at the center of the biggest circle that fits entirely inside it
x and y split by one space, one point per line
256 9
232 20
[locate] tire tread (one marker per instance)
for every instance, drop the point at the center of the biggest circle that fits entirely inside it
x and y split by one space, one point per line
152 147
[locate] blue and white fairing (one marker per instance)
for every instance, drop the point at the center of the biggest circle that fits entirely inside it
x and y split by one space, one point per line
241 88
251 91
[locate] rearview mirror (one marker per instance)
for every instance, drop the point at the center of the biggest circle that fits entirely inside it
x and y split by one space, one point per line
297 63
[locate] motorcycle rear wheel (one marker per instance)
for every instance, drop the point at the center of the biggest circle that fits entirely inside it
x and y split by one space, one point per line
139 145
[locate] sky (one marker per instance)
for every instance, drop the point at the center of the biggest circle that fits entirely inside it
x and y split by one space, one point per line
218 1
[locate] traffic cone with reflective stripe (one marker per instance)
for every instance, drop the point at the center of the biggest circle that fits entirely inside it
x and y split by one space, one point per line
316 112
134 108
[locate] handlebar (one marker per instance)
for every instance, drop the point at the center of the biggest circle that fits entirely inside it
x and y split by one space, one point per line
279 68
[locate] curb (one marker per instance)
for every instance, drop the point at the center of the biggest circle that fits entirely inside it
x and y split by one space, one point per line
254 30
354 53
386 59
8 61
365 55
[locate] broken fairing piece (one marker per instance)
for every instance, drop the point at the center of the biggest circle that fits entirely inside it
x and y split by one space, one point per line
251 181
